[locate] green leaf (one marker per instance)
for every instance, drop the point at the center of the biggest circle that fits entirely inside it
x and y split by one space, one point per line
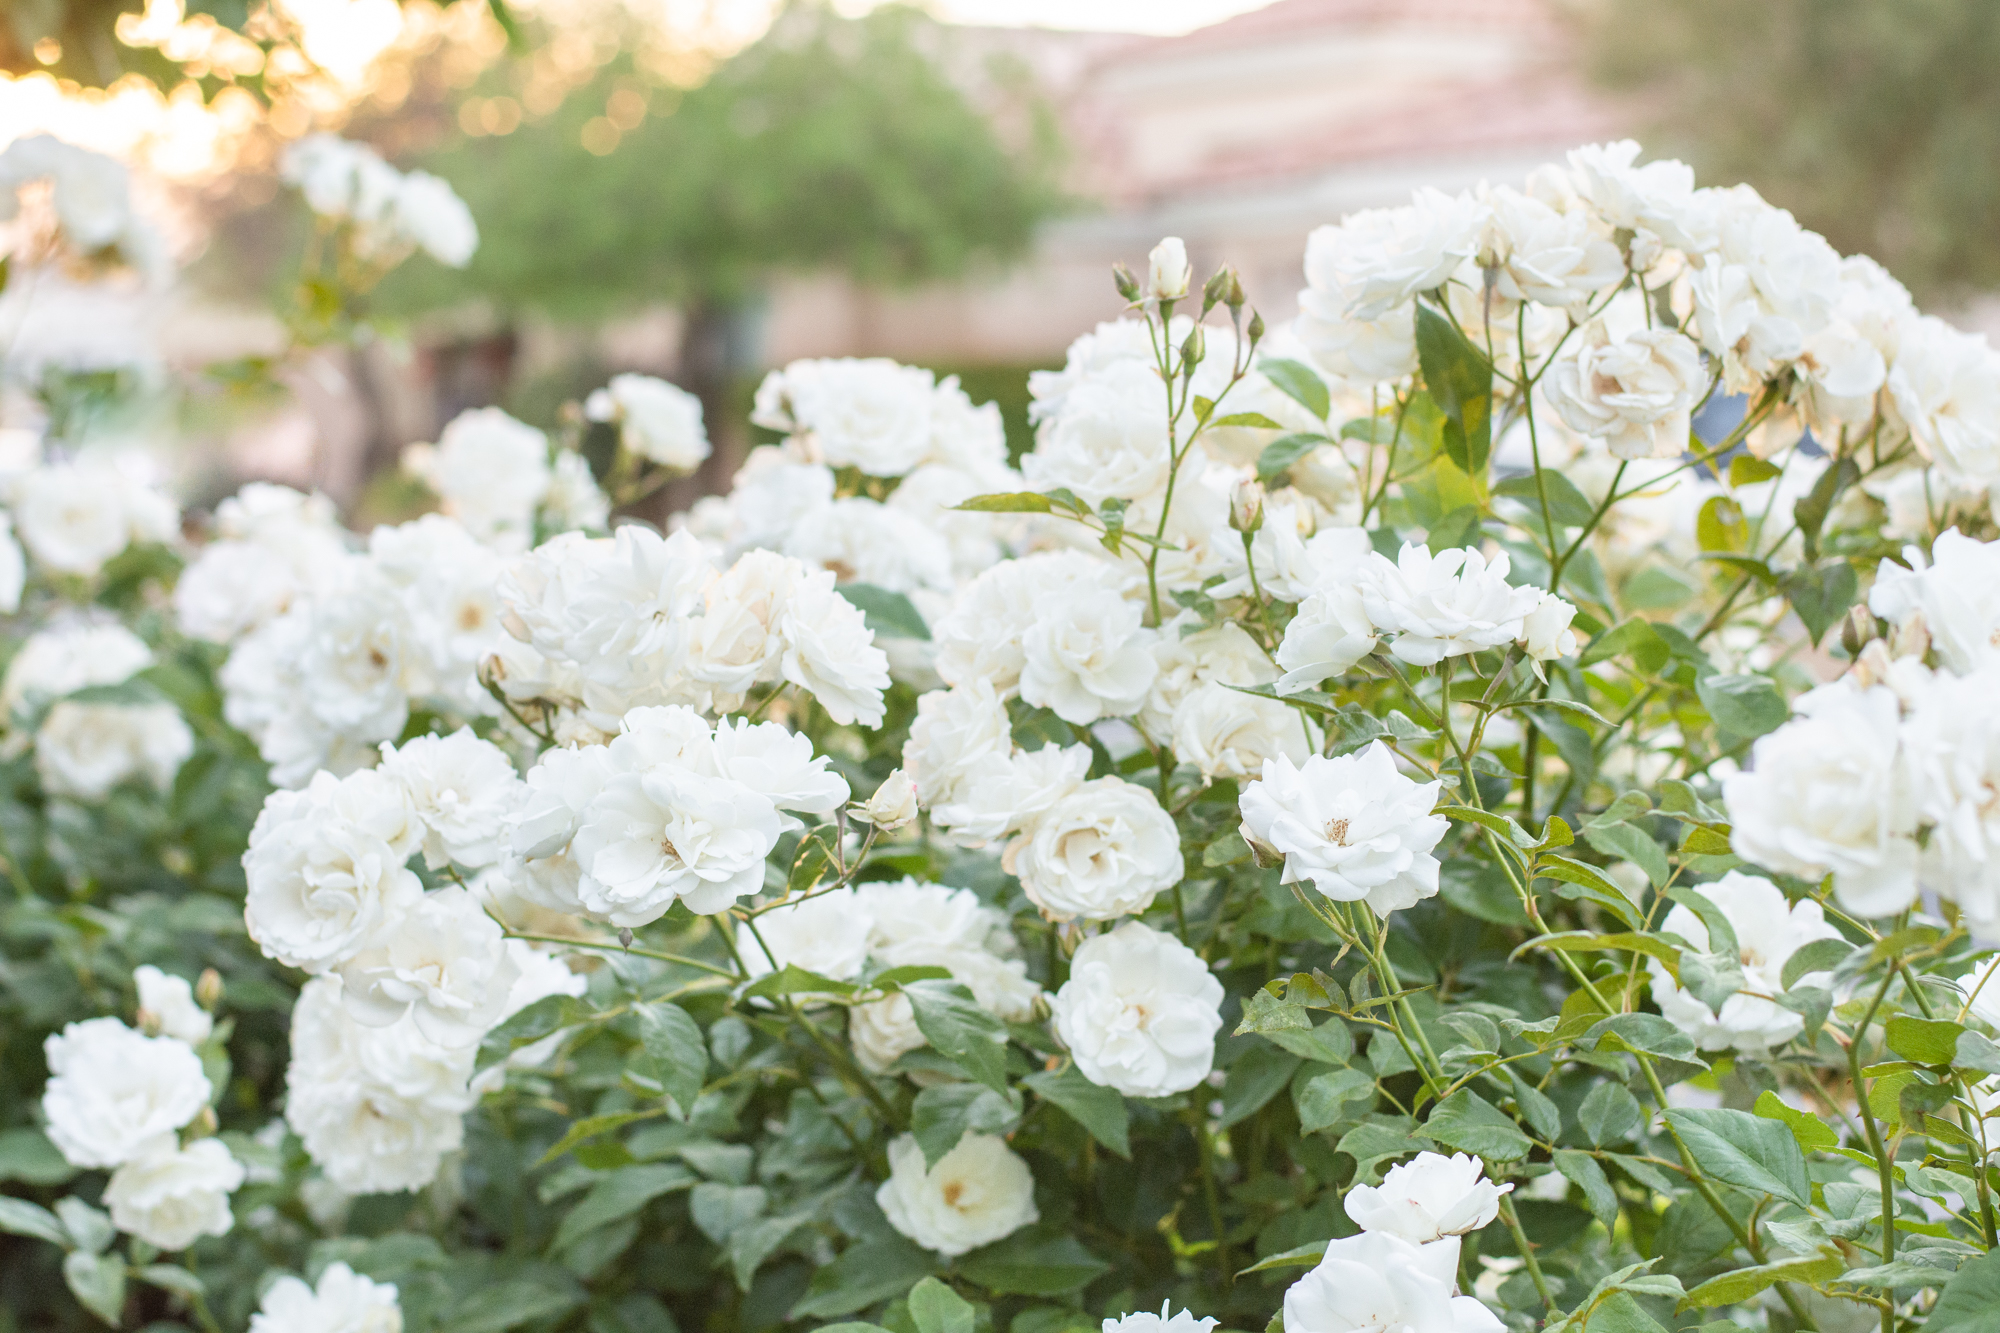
1251 420
675 1055
545 1016
1748 470
1584 941
512 1303
792 979
1568 708
27 1155
1628 842
1374 1141
1567 505
1101 1111
1258 1075
1720 526
1303 1256
958 1029
936 1308
1618 1312
1500 824
1322 1099
1590 880
1007 502
1818 956
1976 1052
590 1127
864 1274
1633 637
1810 512
943 1115
889 614
1741 1149
1298 383
1609 1114
620 1194
1926 1041
1721 933
1582 1169
1033 1263
1821 595
1281 453
1536 1107
1467 1121
1746 706
30 1219
1744 1283
1809 1130
169 1278
98 1283
719 1210
1460 381
1649 1034
1970 1301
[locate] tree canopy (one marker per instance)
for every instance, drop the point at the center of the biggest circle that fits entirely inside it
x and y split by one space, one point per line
1877 124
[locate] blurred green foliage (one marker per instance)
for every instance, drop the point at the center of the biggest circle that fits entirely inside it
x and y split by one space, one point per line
1877 124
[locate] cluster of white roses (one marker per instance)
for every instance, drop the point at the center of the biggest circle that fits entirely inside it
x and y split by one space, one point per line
1884 778
884 421
390 213
1401 1270
1835 341
89 200
405 982
499 478
120 1098
85 747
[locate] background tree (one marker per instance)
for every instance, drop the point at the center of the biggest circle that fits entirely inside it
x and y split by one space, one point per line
830 144
1876 124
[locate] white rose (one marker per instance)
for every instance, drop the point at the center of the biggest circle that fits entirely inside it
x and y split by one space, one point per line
465 791
574 499
883 1031
981 637
1330 633
1635 393
1087 656
73 517
69 657
1355 827
325 869
911 921
1956 592
1229 734
1103 851
489 470
1951 745
826 933
1545 631
737 643
1555 257
230 589
430 216
1443 605
830 652
1168 272
776 762
1362 352
865 541
1108 441
957 734
1769 931
1826 792
84 750
344 1302
1379 258
1009 795
871 414
893 805
442 961
169 1196
978 1193
167 1006
1426 1198
1187 662
1376 1282
377 1108
1140 1012
658 421
669 833
1657 198
112 1090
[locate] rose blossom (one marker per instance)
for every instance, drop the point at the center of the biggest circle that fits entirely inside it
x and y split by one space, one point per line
976 1194
1139 1012
1355 827
1101 852
1426 1198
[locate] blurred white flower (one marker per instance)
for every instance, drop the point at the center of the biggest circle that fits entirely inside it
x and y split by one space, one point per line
167 1005
82 750
343 1302
1769 930
465 791
1377 1282
73 517
1166 1321
489 470
977 1193
170 1196
1956 593
442 961
1088 655
658 421
112 1091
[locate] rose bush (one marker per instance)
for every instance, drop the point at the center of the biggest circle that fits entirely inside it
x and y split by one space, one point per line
1472 810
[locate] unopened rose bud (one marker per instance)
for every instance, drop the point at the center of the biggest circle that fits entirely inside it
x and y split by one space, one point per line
1256 329
1128 286
1246 506
1857 627
893 805
208 989
1216 289
1194 348
1264 854
1233 298
1912 638
1168 272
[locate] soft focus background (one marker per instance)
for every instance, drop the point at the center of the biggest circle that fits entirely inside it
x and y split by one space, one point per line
703 189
